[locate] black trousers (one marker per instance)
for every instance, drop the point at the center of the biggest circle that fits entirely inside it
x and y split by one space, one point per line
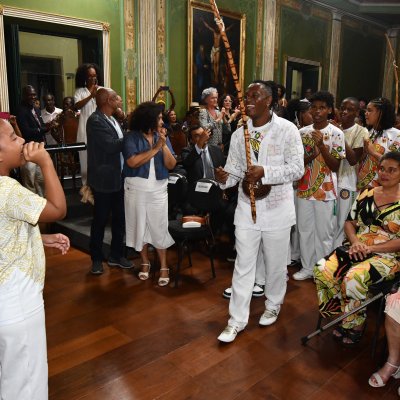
104 205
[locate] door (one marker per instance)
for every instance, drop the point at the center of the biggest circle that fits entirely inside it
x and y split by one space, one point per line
11 35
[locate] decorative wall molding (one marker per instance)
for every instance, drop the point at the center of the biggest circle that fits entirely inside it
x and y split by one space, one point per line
259 37
388 81
8 11
147 51
130 55
162 65
334 57
269 39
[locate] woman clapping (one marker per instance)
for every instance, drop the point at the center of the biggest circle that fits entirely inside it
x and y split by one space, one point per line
148 157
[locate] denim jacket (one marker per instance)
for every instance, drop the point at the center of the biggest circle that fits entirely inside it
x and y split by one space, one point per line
135 143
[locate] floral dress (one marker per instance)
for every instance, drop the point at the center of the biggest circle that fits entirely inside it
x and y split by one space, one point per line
389 140
342 283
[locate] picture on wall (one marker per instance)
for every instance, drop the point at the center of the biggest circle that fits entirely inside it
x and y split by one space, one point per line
207 60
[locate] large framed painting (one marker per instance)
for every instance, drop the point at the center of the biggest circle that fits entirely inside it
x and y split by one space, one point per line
207 60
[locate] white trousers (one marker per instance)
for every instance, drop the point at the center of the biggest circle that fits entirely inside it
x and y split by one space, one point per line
294 235
23 359
317 229
32 178
343 209
260 268
248 242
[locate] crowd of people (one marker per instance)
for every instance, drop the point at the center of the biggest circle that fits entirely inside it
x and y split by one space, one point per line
328 191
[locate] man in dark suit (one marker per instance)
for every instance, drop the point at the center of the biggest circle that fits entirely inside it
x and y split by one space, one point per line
200 159
105 162
33 129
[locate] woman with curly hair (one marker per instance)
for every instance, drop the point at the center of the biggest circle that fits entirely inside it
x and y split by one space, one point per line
383 137
373 231
87 80
148 156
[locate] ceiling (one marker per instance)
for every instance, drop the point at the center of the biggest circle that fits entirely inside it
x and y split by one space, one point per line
384 12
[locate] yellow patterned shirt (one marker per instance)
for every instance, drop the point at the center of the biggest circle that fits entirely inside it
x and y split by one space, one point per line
21 245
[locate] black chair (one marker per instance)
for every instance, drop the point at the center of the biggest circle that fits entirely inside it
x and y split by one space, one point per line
177 193
204 196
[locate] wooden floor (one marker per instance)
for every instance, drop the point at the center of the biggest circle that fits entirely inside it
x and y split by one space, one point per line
115 337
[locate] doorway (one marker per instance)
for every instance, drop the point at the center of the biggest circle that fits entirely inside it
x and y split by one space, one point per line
301 75
47 59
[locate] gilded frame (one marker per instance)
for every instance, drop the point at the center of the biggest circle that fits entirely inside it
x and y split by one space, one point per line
199 34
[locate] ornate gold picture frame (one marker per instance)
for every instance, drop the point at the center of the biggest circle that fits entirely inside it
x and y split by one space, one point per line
207 63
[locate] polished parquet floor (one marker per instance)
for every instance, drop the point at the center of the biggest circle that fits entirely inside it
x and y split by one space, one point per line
113 337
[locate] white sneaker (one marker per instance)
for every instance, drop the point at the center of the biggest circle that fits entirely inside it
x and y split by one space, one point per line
302 275
258 290
227 293
268 317
229 334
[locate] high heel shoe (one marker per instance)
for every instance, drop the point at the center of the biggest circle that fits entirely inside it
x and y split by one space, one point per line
163 281
144 275
378 379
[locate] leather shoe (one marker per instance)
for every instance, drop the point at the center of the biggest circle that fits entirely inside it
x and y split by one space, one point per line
121 262
97 268
228 335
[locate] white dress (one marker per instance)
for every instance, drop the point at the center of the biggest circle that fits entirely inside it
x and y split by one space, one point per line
85 112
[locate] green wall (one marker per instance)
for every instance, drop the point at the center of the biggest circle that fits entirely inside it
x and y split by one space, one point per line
361 63
305 38
98 10
177 44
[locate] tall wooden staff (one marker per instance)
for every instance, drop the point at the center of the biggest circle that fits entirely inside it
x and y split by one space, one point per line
396 76
235 77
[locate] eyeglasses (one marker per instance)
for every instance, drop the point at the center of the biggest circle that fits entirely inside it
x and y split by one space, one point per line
389 170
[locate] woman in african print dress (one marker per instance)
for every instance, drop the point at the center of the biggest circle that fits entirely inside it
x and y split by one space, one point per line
373 230
383 138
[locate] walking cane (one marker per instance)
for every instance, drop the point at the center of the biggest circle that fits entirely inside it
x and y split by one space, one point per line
235 77
305 339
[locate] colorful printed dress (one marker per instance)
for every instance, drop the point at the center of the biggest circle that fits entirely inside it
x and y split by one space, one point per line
318 181
389 140
342 284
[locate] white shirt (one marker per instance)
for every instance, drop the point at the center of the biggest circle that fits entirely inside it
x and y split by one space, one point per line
281 155
208 156
347 175
85 112
48 117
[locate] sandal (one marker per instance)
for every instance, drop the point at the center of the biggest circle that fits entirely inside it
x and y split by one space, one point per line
163 281
339 333
144 275
354 335
378 379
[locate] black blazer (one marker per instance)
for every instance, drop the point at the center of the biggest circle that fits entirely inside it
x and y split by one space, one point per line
104 149
193 163
31 129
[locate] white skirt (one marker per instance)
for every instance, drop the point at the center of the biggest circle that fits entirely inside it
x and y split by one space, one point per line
146 215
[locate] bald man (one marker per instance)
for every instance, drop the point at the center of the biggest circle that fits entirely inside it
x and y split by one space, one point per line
105 162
